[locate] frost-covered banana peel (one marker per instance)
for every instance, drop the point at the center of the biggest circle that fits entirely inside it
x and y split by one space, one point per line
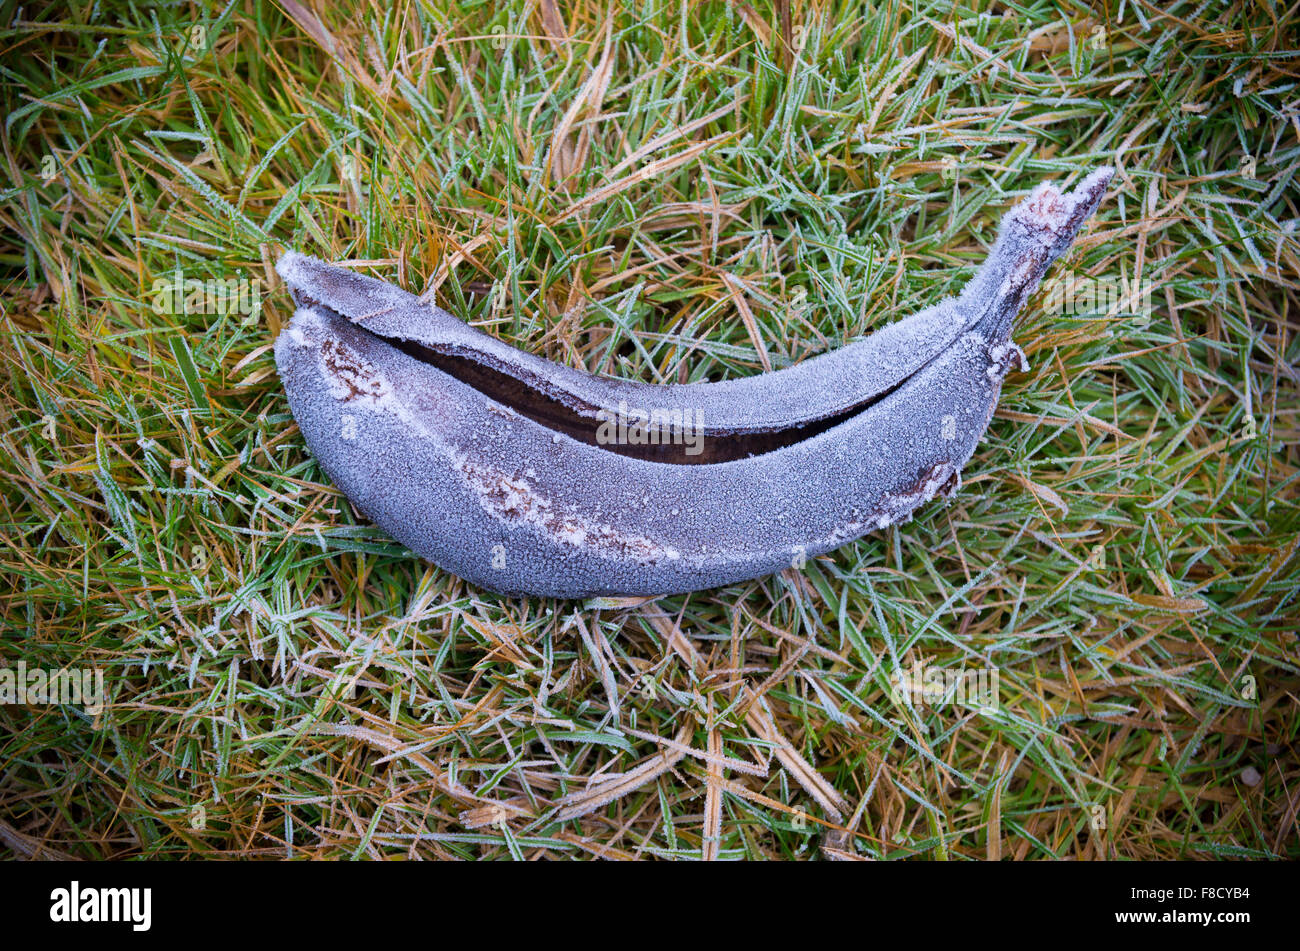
527 477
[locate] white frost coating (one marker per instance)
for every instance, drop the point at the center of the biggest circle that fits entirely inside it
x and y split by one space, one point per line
301 271
293 268
304 328
894 508
1045 207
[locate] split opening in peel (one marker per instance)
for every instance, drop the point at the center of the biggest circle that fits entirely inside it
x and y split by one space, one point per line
674 436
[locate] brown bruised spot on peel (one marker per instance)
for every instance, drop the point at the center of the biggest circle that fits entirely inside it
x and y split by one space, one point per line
1003 359
351 376
942 478
951 486
514 501
898 506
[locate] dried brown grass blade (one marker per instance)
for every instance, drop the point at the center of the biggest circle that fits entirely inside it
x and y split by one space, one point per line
553 23
713 799
761 722
398 749
668 138
751 325
652 169
569 153
723 762
31 848
313 27
593 797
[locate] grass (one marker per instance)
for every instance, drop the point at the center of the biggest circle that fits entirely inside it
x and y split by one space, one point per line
661 192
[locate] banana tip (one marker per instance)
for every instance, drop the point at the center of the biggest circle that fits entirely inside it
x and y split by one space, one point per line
291 268
1092 188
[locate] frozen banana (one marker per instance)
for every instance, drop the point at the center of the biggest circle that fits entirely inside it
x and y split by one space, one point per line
527 477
